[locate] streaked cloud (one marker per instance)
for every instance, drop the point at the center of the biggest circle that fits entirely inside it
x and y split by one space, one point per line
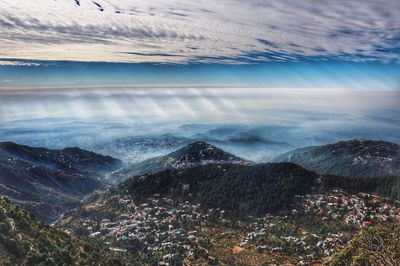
226 31
17 63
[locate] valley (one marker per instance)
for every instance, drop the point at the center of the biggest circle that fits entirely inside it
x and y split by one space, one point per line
313 230
200 205
199 133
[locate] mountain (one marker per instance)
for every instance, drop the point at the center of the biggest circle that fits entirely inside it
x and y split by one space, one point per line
235 134
220 133
247 142
239 189
194 154
26 241
47 182
179 216
68 159
354 158
244 137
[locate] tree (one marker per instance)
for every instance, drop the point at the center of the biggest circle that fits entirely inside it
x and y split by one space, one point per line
373 246
11 245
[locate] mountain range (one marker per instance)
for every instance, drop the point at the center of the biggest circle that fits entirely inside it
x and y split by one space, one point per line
193 187
252 143
48 182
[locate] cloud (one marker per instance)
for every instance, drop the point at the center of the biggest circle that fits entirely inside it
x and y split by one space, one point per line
17 63
176 31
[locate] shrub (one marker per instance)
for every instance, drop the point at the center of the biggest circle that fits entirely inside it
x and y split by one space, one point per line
4 228
11 245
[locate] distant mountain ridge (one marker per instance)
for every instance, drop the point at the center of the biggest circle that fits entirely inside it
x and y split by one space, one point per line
194 154
47 182
239 141
68 159
353 158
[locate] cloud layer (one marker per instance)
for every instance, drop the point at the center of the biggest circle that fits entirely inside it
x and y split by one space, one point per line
225 31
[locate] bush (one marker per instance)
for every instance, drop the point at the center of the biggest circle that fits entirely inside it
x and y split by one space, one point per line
11 245
4 229
50 262
3 216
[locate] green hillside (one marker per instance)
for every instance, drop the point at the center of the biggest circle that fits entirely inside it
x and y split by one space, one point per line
26 241
239 189
385 186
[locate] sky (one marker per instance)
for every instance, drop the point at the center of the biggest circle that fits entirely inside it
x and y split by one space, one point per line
78 46
176 31
327 69
279 43
296 75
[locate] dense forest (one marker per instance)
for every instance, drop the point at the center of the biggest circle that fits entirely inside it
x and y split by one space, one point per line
241 190
384 186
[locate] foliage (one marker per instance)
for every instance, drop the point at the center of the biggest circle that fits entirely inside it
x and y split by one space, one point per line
240 189
373 246
26 241
386 186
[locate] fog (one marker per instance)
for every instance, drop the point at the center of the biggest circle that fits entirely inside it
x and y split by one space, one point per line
136 123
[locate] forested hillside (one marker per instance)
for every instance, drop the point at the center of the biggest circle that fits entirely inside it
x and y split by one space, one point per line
353 158
26 241
384 186
240 189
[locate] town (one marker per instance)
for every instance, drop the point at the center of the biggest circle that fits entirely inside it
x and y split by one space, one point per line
317 226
